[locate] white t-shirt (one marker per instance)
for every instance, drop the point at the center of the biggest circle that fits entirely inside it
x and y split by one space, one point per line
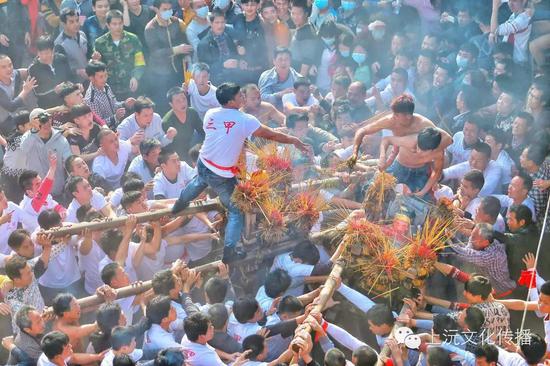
88 265
163 187
97 202
297 272
264 300
506 164
115 198
226 130
240 331
149 266
291 98
128 267
197 354
17 216
460 154
62 269
157 338
112 173
202 103
26 205
109 357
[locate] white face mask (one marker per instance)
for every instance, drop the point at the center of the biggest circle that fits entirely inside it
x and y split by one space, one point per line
136 355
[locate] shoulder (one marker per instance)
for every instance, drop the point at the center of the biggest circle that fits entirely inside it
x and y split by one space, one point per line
152 24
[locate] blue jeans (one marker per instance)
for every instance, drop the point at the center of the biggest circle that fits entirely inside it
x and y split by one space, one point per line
414 178
224 188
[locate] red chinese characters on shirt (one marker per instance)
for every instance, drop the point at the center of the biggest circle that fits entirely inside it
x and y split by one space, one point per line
188 353
228 126
210 125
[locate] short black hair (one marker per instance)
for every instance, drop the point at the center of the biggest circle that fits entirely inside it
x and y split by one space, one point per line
113 14
526 179
365 356
279 50
121 336
21 118
483 148
216 289
533 348
53 343
216 13
110 240
471 48
108 316
173 91
26 178
479 285
94 67
255 344
226 92
62 303
133 185
334 357
401 72
72 183
147 145
527 117
380 314
537 154
165 154
123 360
491 206
158 309
443 325
169 357
474 319
545 288
277 282
301 81
48 219
403 103
522 212
129 198
307 252
14 265
142 103
17 237
218 315
498 135
196 325
244 309
163 282
438 356
80 110
487 351
109 272
429 138
293 118
65 13
475 177
158 3
290 304
67 88
45 42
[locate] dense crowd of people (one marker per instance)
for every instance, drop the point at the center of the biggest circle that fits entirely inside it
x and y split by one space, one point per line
112 108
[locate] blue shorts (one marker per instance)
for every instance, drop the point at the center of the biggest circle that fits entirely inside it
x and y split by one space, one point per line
414 178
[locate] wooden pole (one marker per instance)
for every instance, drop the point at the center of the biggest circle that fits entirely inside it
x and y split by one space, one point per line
137 288
385 352
326 294
194 207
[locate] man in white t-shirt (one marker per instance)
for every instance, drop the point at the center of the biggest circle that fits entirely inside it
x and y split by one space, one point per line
83 194
195 347
467 198
116 154
518 193
300 100
463 142
200 91
11 216
226 130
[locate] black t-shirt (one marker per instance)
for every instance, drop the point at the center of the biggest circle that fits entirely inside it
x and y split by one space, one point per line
86 146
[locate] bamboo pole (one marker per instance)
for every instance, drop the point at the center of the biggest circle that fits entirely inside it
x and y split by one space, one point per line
194 207
325 295
385 352
137 288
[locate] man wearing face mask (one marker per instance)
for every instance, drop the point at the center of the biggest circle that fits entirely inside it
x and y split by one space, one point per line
229 8
466 60
167 46
198 25
321 11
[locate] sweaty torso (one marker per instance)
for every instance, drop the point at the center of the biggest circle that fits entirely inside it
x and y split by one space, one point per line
263 113
413 158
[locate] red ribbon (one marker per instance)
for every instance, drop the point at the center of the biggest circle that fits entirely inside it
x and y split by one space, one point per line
528 278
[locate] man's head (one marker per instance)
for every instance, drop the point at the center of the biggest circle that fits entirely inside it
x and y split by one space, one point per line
507 103
357 93
425 63
517 6
403 109
30 321
522 124
518 217
247 310
170 162
19 272
66 308
438 356
45 127
281 60
80 189
22 121
160 311
477 289
276 283
229 96
486 355
48 219
110 241
533 347
302 90
44 49
299 12
519 187
201 75
164 9
166 283
21 243
480 156
250 8
428 139
430 42
150 151
108 141
215 290
252 96
144 111
532 157
305 252
471 319
177 98
257 347
471 184
334 357
76 166
380 319
471 130
133 202
488 210
123 339
442 75
496 139
82 116
115 23
364 356
290 307
443 326
70 21
398 80
100 8
482 236
544 298
298 124
56 347
198 328
268 12
339 86
30 181
217 22
467 55
219 316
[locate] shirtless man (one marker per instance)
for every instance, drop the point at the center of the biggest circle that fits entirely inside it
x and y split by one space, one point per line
403 122
264 111
416 154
